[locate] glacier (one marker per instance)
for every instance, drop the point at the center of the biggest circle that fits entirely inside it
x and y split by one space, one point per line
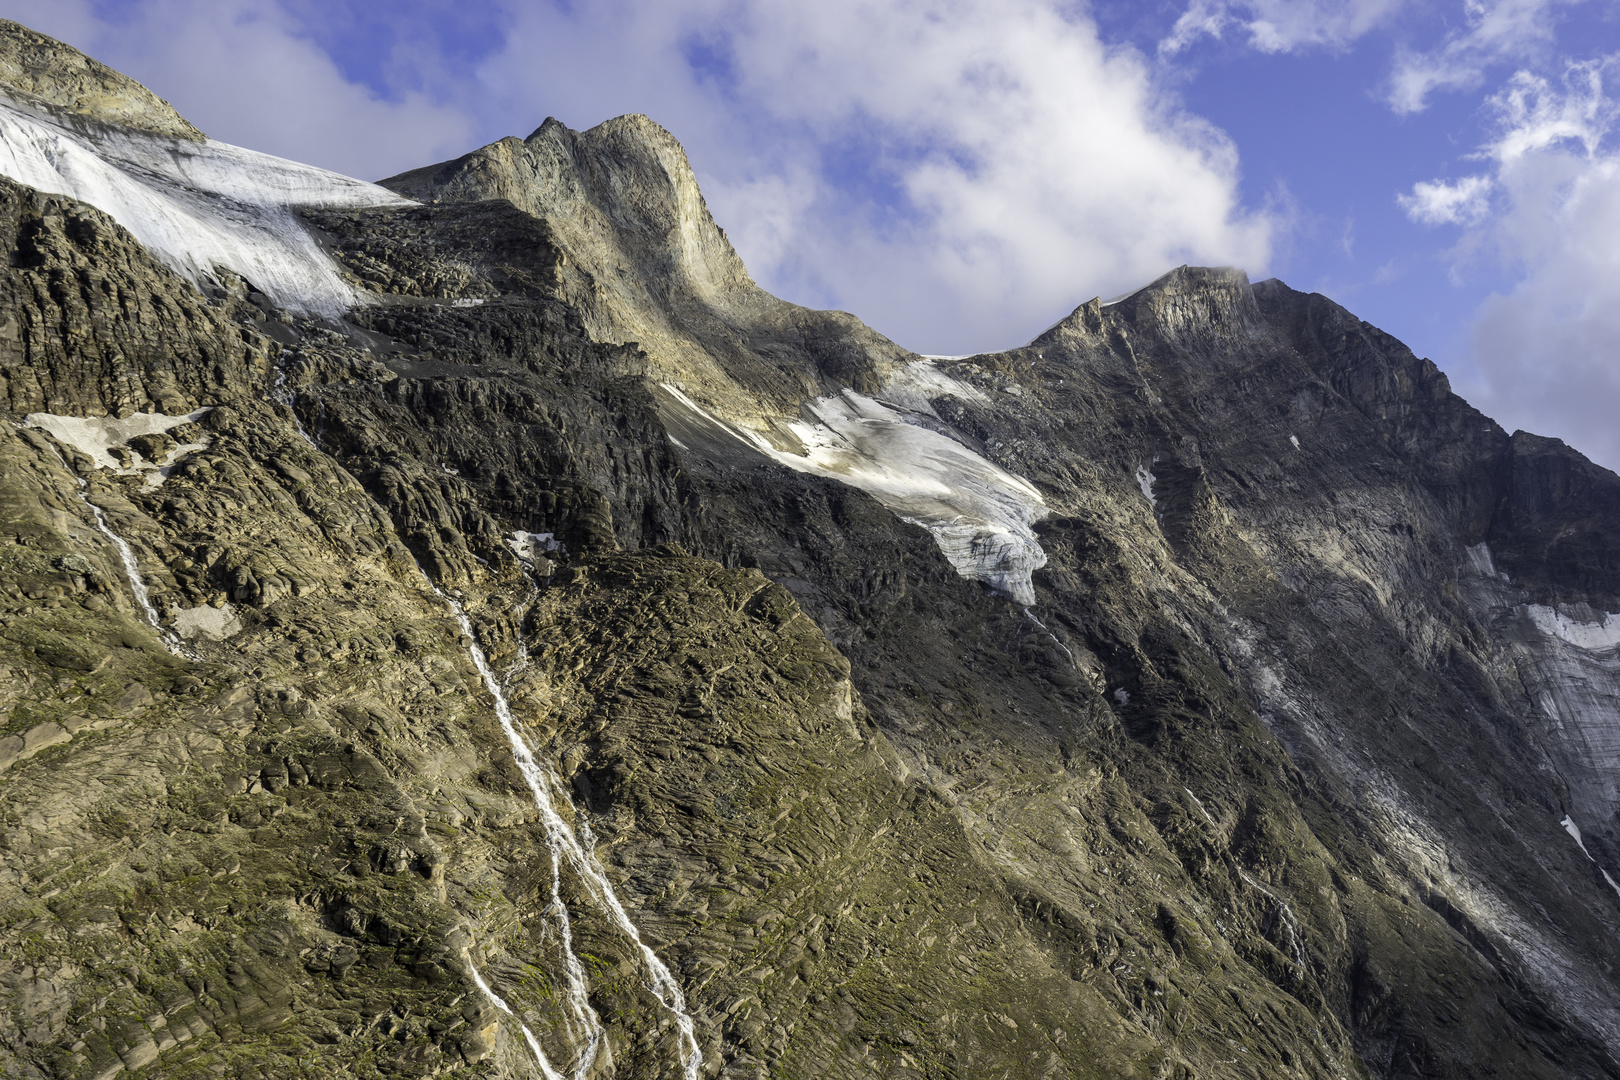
195 205
981 516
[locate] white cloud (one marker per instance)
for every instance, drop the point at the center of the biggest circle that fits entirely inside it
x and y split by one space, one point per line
1495 32
1491 32
960 172
1278 26
1440 203
1532 115
243 72
1548 350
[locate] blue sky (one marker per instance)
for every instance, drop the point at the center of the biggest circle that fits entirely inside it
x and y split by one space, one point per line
960 173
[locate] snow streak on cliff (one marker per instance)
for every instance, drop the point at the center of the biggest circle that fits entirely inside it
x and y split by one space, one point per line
196 205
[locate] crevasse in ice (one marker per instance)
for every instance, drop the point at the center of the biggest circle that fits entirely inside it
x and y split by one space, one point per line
195 205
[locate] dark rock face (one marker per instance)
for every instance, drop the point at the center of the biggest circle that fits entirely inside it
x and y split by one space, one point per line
1270 780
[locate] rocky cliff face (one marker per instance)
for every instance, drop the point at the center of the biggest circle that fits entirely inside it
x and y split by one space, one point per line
59 78
572 661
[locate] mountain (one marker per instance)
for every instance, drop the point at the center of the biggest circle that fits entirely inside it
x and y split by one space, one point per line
464 626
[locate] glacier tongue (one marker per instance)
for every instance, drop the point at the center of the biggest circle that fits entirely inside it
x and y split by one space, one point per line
982 517
195 205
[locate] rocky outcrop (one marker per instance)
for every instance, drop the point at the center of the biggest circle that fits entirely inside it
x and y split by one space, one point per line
646 263
43 71
1293 760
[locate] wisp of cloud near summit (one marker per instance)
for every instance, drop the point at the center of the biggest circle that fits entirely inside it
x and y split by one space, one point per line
960 173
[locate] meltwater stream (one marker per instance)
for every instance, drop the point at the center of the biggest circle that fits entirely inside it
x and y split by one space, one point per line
547 1070
132 569
582 857
283 393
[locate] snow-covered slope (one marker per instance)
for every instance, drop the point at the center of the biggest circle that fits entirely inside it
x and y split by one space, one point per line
196 205
981 516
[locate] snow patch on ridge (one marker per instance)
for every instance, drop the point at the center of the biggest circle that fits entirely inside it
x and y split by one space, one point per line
213 623
913 385
981 516
1145 480
195 205
1599 633
1574 831
95 436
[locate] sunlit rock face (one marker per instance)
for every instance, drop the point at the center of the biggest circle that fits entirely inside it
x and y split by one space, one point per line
469 628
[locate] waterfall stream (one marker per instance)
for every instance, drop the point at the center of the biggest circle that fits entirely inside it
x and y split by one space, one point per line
126 555
582 856
547 1070
283 394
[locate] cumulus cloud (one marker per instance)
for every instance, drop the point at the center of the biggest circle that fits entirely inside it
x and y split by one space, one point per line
959 172
1534 115
245 72
1548 350
1493 33
1438 202
1276 26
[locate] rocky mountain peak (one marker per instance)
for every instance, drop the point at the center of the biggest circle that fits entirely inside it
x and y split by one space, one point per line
645 262
40 70
1191 306
1195 306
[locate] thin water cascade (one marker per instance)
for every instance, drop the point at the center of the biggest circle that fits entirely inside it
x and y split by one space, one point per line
126 555
1030 615
546 1068
284 394
579 1002
584 1018
582 856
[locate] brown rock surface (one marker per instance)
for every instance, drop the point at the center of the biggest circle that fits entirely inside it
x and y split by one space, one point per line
42 70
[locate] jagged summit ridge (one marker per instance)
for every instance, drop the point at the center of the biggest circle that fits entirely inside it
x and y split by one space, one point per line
647 263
